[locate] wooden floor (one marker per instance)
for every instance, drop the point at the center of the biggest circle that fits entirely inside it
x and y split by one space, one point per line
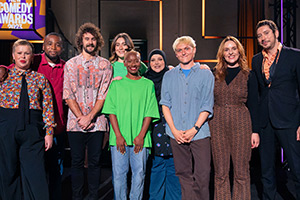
286 188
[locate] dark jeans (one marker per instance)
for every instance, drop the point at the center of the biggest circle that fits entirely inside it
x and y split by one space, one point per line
54 166
79 141
192 166
267 148
164 184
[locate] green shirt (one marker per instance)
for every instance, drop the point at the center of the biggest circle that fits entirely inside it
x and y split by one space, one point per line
120 69
131 101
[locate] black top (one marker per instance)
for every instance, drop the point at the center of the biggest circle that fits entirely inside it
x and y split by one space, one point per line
252 89
160 140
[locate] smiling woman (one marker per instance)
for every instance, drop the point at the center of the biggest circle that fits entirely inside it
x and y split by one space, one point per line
164 184
22 55
231 134
120 45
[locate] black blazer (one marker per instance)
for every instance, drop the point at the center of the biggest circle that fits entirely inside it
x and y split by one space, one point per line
280 101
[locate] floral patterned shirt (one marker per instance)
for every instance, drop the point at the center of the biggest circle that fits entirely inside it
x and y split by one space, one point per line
39 93
86 81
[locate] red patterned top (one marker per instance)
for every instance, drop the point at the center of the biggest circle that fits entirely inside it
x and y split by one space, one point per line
38 89
86 81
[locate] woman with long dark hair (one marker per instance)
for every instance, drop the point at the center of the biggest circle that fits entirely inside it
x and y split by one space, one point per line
120 45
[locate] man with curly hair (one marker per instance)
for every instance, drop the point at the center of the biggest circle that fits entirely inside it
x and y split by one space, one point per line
86 81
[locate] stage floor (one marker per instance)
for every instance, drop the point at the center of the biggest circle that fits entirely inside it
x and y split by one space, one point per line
286 188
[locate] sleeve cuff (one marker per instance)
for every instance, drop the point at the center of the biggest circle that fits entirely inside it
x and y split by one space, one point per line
50 129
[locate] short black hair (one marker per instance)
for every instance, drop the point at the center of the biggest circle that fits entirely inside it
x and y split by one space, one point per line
54 33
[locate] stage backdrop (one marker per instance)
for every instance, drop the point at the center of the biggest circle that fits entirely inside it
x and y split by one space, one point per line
23 19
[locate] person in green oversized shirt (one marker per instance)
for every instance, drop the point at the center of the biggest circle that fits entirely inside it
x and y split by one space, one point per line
131 105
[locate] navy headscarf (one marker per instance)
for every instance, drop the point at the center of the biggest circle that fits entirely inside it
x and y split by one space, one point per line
156 77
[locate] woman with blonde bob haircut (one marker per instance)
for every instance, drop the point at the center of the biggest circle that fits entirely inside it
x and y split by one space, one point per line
231 134
26 128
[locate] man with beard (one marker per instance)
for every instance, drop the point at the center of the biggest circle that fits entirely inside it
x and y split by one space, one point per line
50 65
86 81
277 70
187 102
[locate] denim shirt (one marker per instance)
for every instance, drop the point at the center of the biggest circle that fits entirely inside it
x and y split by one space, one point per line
187 97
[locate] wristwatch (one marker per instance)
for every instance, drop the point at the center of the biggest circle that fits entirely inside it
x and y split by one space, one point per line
197 128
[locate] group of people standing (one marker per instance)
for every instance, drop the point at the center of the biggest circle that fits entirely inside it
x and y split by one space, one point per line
183 114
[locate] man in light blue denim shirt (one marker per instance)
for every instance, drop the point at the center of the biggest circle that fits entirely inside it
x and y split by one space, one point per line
187 103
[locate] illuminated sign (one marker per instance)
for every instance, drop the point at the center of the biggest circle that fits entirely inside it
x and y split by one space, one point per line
22 19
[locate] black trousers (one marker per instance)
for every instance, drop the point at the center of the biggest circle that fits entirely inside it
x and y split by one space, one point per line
54 166
22 157
79 141
267 148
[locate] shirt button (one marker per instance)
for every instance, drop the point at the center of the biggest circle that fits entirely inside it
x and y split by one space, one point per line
183 122
185 102
186 83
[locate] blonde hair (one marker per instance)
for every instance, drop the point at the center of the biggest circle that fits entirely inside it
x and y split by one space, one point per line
185 40
23 43
220 68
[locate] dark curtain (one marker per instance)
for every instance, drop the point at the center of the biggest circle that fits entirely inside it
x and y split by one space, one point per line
249 13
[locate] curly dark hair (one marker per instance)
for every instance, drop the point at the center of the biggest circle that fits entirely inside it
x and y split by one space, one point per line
92 29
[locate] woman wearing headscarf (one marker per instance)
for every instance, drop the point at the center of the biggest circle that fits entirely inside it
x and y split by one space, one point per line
164 184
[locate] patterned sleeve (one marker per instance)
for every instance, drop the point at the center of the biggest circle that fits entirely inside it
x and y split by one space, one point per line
67 91
48 113
105 80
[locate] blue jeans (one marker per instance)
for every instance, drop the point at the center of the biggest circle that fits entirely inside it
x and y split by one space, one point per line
120 167
164 184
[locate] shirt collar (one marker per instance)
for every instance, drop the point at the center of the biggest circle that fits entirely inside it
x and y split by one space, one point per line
19 72
45 62
90 60
265 54
197 65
